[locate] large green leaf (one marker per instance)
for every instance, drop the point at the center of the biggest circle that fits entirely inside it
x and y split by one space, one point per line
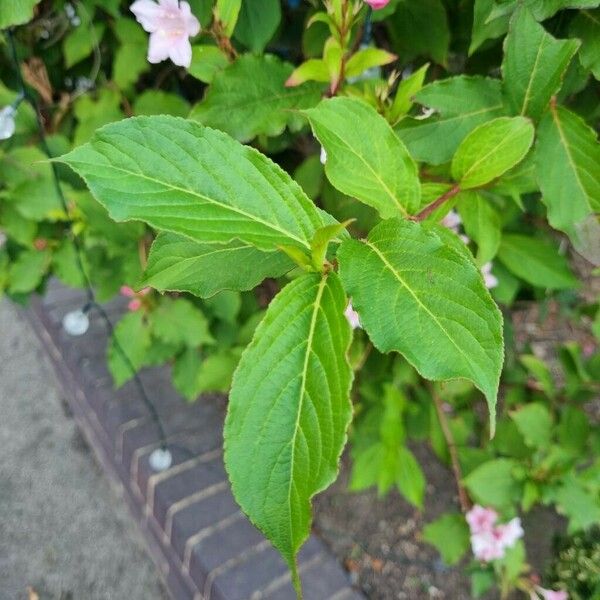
289 409
534 65
427 301
461 104
490 150
571 188
536 261
365 158
177 263
493 483
586 27
420 29
181 177
16 12
249 98
257 22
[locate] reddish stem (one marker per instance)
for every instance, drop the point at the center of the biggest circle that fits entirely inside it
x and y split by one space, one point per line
436 203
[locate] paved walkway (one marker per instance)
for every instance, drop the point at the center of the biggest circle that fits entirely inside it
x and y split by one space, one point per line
64 532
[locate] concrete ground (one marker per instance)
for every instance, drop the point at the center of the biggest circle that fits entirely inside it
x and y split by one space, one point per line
64 532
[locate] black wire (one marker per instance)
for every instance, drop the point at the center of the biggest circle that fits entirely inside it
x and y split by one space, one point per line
91 296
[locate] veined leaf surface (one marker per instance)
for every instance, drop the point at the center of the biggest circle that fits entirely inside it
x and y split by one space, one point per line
289 409
179 176
427 301
177 263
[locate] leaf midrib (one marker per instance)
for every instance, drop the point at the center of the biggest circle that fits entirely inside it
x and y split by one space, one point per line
416 298
202 197
309 341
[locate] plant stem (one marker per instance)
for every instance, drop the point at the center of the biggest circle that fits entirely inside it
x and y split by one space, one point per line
436 203
463 497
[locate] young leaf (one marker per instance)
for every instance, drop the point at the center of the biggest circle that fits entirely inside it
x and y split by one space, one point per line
490 150
534 422
265 107
227 11
178 321
534 65
537 262
461 103
184 178
289 408
179 264
207 61
493 483
571 188
404 98
418 297
365 159
366 59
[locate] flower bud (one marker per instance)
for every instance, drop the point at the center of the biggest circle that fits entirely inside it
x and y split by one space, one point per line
377 4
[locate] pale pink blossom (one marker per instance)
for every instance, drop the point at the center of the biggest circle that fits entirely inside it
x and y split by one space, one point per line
136 297
377 4
510 532
481 519
452 220
551 594
489 540
486 546
170 24
491 281
352 316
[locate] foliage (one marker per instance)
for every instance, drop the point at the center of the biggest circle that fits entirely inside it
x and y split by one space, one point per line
299 177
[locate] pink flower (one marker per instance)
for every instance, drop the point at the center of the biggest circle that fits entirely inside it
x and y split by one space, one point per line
509 533
491 281
377 4
170 24
486 546
352 316
452 220
481 519
136 297
134 305
552 595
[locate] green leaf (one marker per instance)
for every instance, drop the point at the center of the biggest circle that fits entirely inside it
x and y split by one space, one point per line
586 27
157 102
227 11
289 409
216 372
450 535
485 26
257 23
482 224
16 12
493 484
367 58
541 373
80 43
179 264
184 178
420 29
418 297
130 58
571 188
27 271
131 337
534 422
534 65
93 113
30 185
461 103
404 98
409 477
180 322
207 61
360 141
185 373
579 504
537 262
265 107
491 150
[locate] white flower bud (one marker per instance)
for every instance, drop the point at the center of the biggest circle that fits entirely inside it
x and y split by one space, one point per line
7 122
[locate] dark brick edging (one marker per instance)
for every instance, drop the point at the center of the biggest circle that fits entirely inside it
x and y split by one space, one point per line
202 545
